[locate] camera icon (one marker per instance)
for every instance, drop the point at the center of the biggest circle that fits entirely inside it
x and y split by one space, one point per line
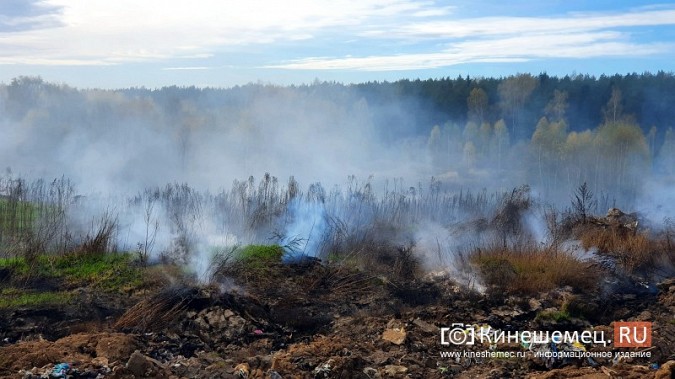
458 334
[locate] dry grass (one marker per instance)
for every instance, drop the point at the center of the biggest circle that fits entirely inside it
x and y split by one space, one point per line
158 311
633 251
531 269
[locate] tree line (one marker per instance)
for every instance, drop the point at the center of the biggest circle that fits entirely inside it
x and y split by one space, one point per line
552 132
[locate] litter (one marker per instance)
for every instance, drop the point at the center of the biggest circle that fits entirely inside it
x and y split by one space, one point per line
60 370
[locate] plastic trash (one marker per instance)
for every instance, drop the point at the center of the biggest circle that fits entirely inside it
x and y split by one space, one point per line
324 370
60 370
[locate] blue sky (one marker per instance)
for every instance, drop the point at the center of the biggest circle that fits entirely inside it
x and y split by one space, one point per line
154 43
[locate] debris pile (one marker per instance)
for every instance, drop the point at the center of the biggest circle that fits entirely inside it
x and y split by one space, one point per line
389 330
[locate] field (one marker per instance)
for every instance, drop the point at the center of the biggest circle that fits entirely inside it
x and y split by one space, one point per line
324 284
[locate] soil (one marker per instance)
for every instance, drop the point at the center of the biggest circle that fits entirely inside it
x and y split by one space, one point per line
310 321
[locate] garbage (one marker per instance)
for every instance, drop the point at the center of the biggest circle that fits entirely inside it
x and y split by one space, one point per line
60 370
324 370
271 374
242 370
395 333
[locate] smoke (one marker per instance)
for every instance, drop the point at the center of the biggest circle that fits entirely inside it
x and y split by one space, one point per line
306 230
121 148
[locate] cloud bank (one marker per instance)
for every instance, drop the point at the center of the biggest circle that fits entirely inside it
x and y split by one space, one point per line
372 35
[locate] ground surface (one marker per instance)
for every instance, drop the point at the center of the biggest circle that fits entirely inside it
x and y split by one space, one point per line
312 321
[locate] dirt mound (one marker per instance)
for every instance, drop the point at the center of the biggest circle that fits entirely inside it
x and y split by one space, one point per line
77 349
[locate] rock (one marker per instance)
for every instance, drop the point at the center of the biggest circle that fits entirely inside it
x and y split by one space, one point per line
273 375
138 364
396 336
666 371
395 370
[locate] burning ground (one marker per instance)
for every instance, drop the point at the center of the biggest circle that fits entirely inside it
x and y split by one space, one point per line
337 297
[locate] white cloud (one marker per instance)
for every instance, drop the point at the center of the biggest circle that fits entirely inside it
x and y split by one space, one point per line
508 49
499 26
505 39
104 31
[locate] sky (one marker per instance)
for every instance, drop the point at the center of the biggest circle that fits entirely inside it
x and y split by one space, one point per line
219 43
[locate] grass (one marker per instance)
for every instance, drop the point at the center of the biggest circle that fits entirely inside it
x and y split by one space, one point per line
14 297
634 252
531 269
259 256
556 315
111 272
16 216
250 264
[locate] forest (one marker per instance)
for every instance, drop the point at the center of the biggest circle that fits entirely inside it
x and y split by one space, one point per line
552 133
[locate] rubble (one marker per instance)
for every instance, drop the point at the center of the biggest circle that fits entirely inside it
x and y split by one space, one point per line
378 333
617 219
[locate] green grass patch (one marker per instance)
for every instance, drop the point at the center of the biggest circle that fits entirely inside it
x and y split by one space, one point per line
14 298
251 264
114 272
259 256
